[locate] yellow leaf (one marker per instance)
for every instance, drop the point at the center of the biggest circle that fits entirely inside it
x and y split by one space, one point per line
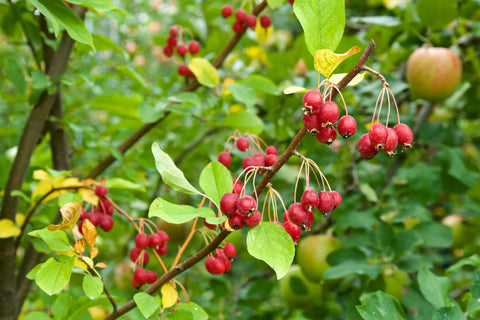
258 53
228 227
79 246
225 83
101 265
88 261
336 78
8 229
19 219
90 234
46 184
80 264
66 253
236 107
294 89
325 60
204 71
70 214
169 295
262 33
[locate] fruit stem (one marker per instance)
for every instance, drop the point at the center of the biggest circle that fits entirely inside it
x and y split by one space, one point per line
187 241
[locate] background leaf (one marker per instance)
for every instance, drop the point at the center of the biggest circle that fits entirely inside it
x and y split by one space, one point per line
175 213
147 304
437 13
215 180
204 71
54 274
435 289
380 306
92 286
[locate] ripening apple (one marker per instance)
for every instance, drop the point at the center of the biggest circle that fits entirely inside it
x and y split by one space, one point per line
297 290
433 73
312 252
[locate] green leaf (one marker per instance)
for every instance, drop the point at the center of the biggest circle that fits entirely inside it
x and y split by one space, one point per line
102 42
243 94
434 234
473 260
260 83
204 71
270 243
147 304
187 98
215 181
244 121
171 175
119 183
434 289
449 313
97 5
437 13
118 104
176 213
424 182
380 306
54 274
323 22
92 286
40 80
352 267
275 3
56 240
58 13
191 311
475 287
137 78
61 306
368 192
15 74
356 220
37 315
453 163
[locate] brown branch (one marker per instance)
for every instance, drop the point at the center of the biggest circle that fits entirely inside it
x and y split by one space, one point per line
172 273
189 88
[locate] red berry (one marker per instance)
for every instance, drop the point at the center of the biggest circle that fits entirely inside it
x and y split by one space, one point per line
270 160
271 150
326 135
194 47
291 1
248 162
106 222
242 144
168 51
225 158
391 143
259 160
326 203
251 21
155 240
172 42
405 135
142 256
94 218
80 225
162 250
230 250
228 203
293 230
182 49
141 240
183 70
100 191
135 283
309 199
310 220
220 254
246 205
164 236
241 15
134 254
238 27
151 276
337 198
227 11
209 225
140 275
173 31
236 221
237 186
190 74
378 135
83 214
347 126
311 122
105 206
312 101
265 21
297 214
366 148
329 114
254 219
214 265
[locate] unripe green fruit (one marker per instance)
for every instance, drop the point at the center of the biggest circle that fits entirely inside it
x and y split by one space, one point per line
433 73
312 252
394 279
462 232
298 291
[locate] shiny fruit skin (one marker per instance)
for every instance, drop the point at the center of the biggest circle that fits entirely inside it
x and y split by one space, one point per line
433 73
312 252
298 291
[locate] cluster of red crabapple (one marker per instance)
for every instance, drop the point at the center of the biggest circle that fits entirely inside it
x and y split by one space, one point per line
320 117
221 262
244 20
140 257
101 215
181 49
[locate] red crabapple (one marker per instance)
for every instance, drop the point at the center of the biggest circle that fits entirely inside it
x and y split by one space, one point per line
295 231
366 148
238 27
106 222
225 158
329 114
194 47
312 101
141 240
311 122
391 143
151 276
228 203
326 203
405 135
229 250
140 275
309 199
227 11
101 190
251 21
337 198
242 144
326 135
254 219
378 135
270 160
297 214
182 50
265 21
271 150
246 205
347 126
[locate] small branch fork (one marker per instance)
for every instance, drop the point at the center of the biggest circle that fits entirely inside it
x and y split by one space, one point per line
260 187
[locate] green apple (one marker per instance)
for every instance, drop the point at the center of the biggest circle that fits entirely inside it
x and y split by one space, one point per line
297 290
312 252
433 73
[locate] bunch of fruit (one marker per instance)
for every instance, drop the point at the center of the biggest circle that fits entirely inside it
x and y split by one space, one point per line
244 20
100 215
181 49
222 261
